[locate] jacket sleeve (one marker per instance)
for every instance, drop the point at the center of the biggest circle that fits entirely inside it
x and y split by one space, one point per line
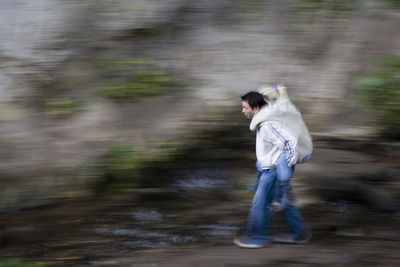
284 139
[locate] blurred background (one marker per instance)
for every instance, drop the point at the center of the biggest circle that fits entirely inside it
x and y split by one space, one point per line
121 127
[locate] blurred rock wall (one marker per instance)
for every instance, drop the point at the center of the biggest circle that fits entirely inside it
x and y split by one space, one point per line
55 123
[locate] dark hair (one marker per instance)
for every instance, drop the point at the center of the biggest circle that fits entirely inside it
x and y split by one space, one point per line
254 99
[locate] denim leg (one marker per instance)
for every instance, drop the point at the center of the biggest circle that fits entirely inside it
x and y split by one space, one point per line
284 174
253 187
291 214
295 221
260 213
283 170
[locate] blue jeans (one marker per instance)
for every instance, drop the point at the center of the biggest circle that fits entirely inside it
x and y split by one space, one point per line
257 227
283 171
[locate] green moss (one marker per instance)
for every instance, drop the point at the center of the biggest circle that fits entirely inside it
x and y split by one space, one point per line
62 106
121 158
394 3
155 77
381 91
250 10
134 78
338 5
124 64
131 89
123 167
309 4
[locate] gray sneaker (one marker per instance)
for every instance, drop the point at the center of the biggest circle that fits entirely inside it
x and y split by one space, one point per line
244 242
290 239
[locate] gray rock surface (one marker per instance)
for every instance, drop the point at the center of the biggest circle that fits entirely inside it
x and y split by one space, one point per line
51 48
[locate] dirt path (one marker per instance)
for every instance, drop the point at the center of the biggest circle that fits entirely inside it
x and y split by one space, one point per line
339 239
276 255
342 235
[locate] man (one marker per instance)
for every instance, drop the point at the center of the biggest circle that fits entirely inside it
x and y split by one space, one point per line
270 145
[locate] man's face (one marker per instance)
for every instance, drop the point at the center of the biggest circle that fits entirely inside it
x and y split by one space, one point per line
247 111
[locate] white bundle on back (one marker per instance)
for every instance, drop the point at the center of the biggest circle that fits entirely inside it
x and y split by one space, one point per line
280 109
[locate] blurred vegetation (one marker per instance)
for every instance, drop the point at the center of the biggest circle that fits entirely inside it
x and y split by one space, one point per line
250 10
158 31
303 11
123 168
121 165
307 12
137 77
125 64
128 171
338 5
62 106
381 91
14 262
8 111
394 3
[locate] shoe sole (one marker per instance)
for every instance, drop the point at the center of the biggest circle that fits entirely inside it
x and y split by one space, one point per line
243 245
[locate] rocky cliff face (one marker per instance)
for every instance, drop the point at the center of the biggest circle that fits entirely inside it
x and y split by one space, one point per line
55 121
